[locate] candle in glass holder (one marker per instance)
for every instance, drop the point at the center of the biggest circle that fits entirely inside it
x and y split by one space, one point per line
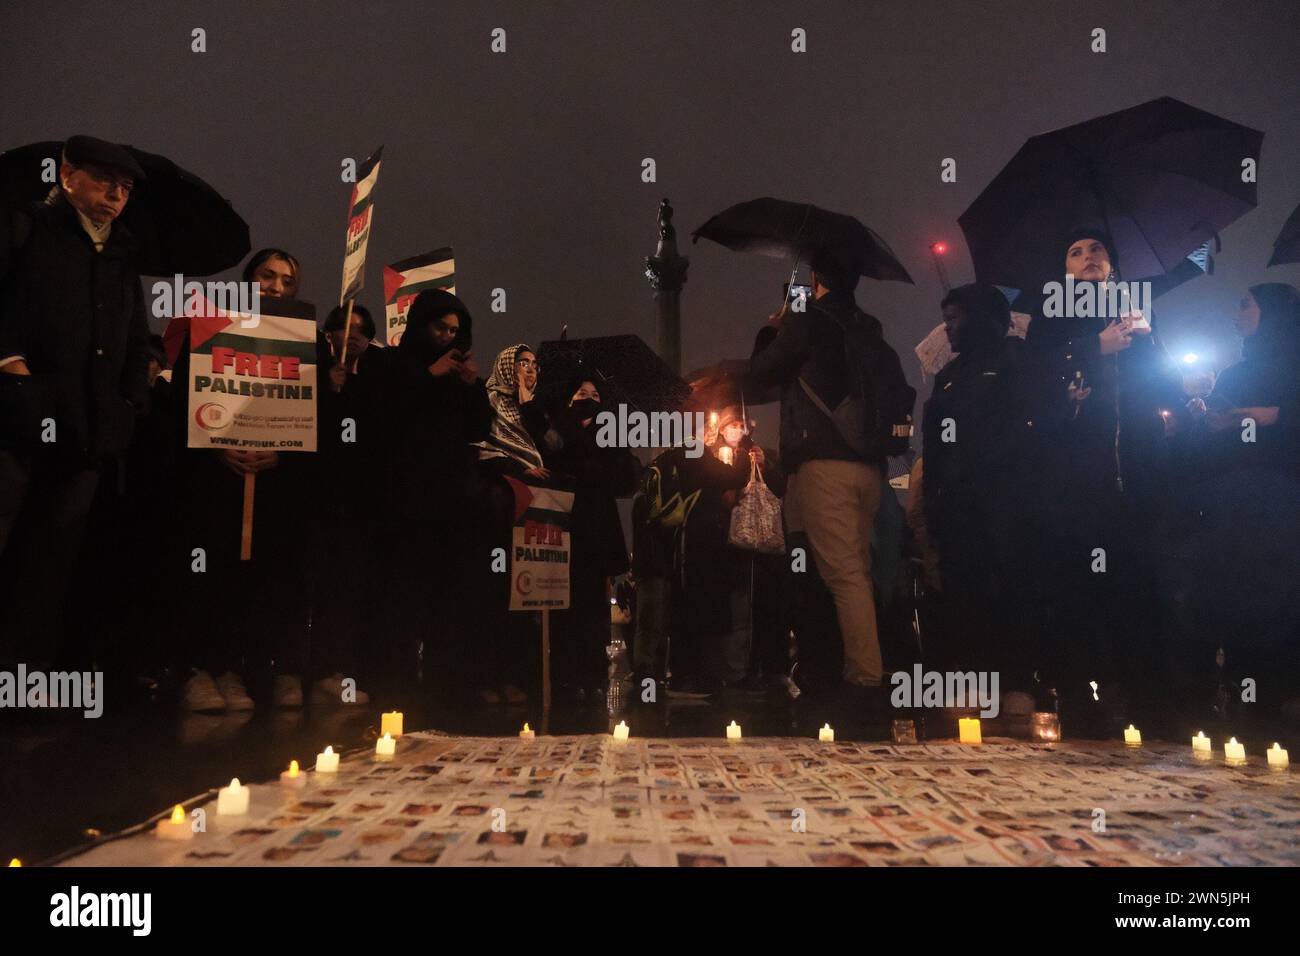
1044 726
1132 736
620 732
1234 754
293 777
327 761
232 801
733 731
904 731
968 730
1277 758
527 733
391 723
826 734
174 828
1202 746
385 746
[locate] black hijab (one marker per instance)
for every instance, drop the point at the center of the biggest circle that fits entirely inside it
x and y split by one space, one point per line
430 305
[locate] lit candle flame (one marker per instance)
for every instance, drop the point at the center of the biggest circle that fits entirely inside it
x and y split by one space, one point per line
526 728
178 815
293 768
15 862
328 749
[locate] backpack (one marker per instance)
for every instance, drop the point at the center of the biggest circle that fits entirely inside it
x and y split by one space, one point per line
875 417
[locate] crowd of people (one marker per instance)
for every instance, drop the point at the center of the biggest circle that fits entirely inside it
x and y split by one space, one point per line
1076 519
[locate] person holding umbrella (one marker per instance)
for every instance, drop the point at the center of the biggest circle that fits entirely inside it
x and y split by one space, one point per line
74 360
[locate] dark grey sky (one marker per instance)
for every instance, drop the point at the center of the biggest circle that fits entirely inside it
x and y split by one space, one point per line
529 162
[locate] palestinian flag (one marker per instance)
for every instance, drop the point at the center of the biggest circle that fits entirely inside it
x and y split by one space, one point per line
404 280
360 216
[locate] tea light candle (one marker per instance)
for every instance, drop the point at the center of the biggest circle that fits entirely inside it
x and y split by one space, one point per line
826 734
968 730
1201 746
293 777
15 862
232 801
328 761
175 828
385 746
733 731
1234 753
1277 759
391 724
527 733
903 731
1044 726
1132 736
620 732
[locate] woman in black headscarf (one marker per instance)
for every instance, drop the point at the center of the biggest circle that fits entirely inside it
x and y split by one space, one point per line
438 407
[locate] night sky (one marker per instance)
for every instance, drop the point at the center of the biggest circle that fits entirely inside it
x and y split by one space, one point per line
529 162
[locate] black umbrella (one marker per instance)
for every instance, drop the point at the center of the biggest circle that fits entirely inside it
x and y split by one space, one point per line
1161 178
182 224
1286 248
792 230
623 367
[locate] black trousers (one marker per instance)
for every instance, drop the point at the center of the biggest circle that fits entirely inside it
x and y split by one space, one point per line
43 515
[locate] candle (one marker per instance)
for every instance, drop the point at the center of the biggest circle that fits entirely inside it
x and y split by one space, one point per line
385 746
1201 746
15 862
1132 737
176 828
968 730
293 777
327 762
726 456
826 733
1277 759
527 733
620 732
1044 726
232 801
391 724
904 731
1234 753
733 731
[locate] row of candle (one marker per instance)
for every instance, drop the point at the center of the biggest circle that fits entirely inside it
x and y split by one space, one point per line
233 800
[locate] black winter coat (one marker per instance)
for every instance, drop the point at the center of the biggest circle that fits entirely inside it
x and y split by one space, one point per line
78 318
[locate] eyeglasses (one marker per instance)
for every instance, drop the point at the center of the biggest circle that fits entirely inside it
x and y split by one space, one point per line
107 179
531 363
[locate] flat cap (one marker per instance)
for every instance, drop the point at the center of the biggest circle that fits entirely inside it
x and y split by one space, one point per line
86 149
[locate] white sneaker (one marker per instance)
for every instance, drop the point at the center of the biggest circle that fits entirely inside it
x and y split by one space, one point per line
200 693
286 691
231 687
331 688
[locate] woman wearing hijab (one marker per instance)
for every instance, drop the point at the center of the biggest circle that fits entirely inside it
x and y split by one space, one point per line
521 425
1100 389
226 640
438 408
597 476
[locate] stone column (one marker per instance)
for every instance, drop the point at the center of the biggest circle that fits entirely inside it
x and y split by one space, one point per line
666 270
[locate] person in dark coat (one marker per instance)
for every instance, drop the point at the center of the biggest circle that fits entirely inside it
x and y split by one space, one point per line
976 430
598 477
442 596
73 379
352 439
1100 386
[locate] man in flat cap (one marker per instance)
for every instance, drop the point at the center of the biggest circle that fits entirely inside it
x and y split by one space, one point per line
74 374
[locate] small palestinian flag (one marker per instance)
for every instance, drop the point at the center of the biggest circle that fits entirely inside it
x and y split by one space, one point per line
360 217
404 280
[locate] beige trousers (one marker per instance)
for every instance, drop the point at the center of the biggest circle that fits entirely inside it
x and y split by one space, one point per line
834 503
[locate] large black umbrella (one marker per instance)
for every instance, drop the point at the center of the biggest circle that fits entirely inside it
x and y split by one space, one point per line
1161 178
623 367
793 230
182 224
1286 248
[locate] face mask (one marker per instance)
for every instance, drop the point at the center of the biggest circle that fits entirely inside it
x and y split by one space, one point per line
585 408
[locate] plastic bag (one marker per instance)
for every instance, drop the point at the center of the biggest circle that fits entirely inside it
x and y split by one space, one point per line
756 519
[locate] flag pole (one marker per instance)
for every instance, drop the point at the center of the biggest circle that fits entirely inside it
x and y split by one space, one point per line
347 331
246 529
